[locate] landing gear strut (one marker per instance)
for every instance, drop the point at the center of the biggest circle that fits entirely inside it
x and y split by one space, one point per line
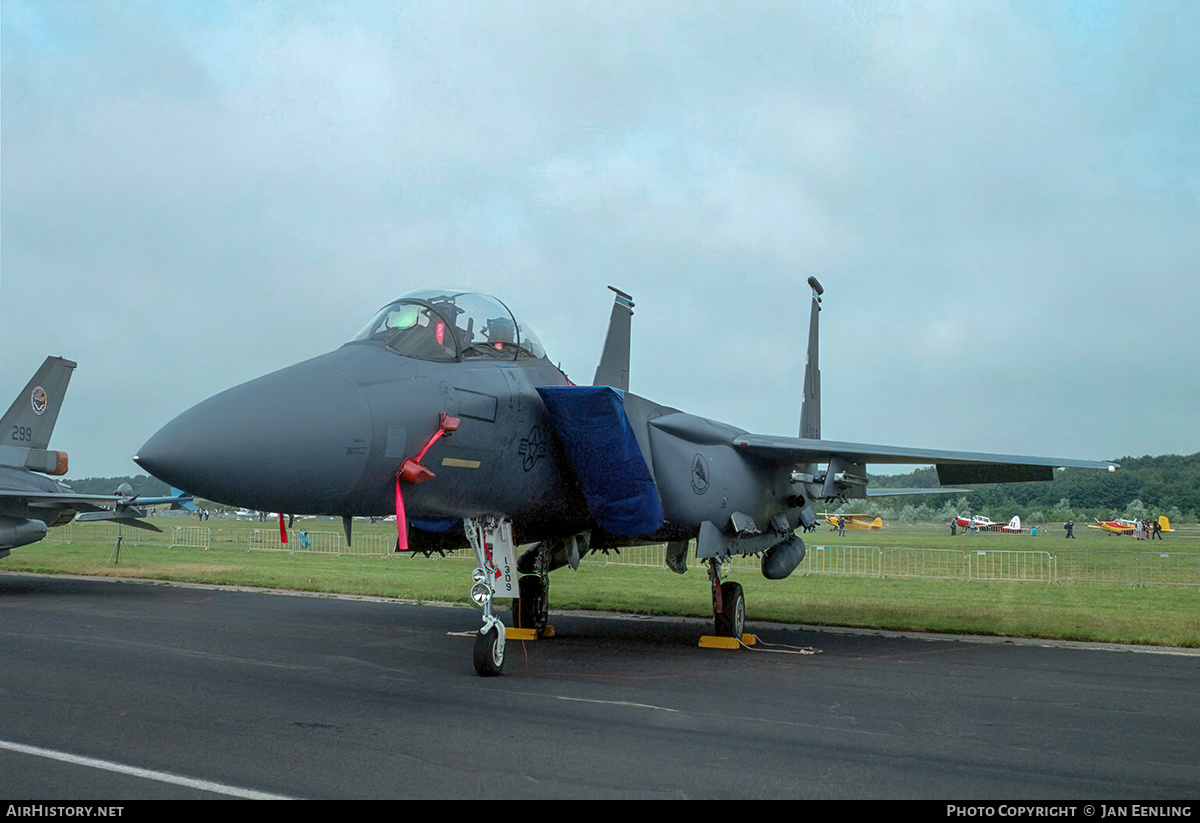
729 604
532 609
491 538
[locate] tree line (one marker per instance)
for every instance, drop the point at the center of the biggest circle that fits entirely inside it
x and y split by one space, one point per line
1141 487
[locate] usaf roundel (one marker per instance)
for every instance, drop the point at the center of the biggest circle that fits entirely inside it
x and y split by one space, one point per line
38 400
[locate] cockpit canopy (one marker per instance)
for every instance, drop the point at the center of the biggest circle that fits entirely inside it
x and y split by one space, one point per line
451 326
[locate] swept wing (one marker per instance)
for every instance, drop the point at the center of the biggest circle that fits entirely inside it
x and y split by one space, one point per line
952 466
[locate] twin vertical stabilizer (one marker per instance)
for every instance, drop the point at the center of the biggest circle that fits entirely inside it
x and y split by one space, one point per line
810 406
614 362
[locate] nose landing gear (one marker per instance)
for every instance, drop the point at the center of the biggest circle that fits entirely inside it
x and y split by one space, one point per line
496 576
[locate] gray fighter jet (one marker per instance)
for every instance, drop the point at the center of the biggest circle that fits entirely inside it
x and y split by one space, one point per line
30 503
446 410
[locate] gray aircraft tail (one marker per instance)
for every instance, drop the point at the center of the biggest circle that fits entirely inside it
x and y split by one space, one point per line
614 362
810 406
26 427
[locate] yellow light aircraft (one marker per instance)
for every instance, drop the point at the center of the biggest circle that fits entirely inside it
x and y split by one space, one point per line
1114 526
1128 526
855 521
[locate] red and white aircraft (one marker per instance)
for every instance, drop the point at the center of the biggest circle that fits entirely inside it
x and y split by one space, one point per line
1014 526
978 522
983 524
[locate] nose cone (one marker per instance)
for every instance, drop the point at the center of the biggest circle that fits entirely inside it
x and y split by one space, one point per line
294 441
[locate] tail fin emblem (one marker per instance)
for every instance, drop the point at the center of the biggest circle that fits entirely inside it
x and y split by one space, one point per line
699 475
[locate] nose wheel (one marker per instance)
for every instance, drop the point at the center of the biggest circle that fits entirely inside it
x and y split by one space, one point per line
489 651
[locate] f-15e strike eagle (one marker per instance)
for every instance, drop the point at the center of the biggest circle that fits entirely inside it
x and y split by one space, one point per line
446 410
30 503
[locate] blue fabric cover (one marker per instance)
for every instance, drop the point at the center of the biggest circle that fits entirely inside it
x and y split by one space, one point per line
435 524
599 442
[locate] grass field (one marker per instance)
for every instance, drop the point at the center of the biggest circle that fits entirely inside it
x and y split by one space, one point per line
1158 615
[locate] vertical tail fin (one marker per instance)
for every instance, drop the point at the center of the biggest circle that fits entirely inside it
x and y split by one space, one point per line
810 407
614 362
30 420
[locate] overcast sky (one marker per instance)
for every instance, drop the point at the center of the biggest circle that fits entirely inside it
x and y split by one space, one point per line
1002 200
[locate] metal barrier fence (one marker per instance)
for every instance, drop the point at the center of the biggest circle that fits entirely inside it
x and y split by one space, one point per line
1136 568
943 564
855 561
1130 568
1066 566
321 542
198 537
191 537
1011 566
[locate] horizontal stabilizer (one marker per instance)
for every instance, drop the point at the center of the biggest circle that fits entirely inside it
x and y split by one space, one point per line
124 517
94 507
58 500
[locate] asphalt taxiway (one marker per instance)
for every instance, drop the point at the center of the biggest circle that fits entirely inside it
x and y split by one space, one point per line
118 690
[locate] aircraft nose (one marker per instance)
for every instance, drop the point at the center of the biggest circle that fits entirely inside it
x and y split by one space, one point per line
293 441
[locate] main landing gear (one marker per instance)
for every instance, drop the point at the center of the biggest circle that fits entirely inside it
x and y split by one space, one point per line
498 575
532 609
729 604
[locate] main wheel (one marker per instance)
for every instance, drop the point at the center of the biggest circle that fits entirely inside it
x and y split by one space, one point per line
489 657
731 621
530 609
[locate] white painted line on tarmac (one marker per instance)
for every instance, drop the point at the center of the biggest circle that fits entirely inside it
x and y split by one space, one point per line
148 774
